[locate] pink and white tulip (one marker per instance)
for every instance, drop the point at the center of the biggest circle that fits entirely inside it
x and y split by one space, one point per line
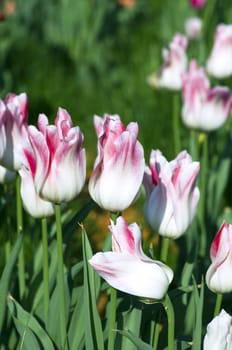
219 333
32 202
13 130
59 157
203 108
193 27
198 4
172 194
175 62
218 275
219 63
127 268
119 166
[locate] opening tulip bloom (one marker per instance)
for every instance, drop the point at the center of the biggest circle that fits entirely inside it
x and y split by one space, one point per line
13 130
219 333
172 194
219 63
219 276
119 166
203 108
175 61
60 160
127 268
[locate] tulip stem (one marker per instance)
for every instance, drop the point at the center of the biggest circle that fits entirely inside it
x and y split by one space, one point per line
45 268
176 124
164 249
171 321
60 277
19 215
112 317
218 304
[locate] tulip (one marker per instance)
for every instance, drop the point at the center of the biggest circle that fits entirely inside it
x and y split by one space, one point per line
197 4
60 160
218 275
6 175
203 108
172 194
127 268
219 333
193 27
32 202
175 61
219 63
119 166
13 130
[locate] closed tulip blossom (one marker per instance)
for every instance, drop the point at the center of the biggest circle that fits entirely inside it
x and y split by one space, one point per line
219 63
172 194
218 275
203 108
219 333
193 27
119 166
32 202
13 130
59 158
127 268
175 61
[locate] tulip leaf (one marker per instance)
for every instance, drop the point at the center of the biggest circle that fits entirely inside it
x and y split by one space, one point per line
93 328
6 276
199 303
131 322
76 330
33 336
140 345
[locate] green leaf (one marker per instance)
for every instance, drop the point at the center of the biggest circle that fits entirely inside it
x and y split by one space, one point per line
76 329
6 276
93 328
140 345
33 336
199 303
131 322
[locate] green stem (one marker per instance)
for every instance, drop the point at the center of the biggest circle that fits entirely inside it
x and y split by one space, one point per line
203 179
19 216
176 123
164 249
60 277
218 304
45 268
112 318
157 329
171 321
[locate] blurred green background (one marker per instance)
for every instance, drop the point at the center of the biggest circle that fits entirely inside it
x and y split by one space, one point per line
94 56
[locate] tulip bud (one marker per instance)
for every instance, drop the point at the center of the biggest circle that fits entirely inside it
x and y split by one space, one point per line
219 276
193 27
219 333
127 268
172 194
198 4
119 166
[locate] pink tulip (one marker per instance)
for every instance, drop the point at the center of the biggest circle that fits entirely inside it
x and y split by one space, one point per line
119 166
172 195
219 63
197 4
127 268
219 333
175 61
13 130
60 160
219 276
203 108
